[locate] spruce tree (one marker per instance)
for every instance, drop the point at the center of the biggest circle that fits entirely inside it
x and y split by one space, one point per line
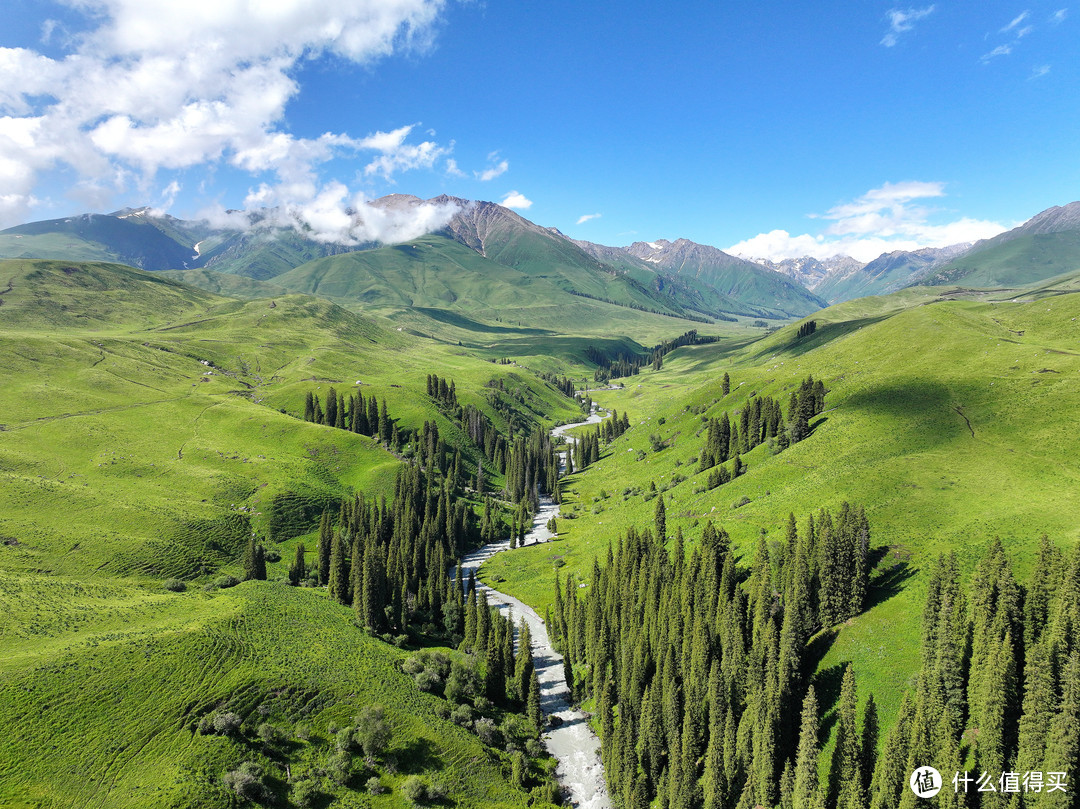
298 570
326 541
805 784
260 563
1063 741
338 578
532 703
845 774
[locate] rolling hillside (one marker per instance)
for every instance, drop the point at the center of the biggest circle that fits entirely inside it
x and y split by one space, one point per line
1045 246
942 418
149 429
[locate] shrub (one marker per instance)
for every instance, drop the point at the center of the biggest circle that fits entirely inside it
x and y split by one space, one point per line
374 786
462 715
465 681
175 586
373 730
427 681
226 581
306 794
247 782
206 724
414 790
227 723
436 790
269 734
517 729
339 767
488 733
345 739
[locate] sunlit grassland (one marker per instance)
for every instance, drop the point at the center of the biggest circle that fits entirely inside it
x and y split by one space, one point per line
904 383
108 683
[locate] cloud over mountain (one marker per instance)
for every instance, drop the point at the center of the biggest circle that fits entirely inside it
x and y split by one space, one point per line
154 86
882 220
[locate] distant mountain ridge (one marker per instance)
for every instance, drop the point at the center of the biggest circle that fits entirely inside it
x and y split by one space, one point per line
680 278
736 277
263 251
1045 246
886 273
810 271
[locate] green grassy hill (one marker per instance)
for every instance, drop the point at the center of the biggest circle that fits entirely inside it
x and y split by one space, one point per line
149 429
97 237
103 684
943 418
1027 259
224 283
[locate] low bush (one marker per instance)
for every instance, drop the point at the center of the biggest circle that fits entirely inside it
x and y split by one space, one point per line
247 781
414 790
227 723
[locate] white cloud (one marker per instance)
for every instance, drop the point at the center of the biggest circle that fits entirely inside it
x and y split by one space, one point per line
334 214
1039 71
1059 16
880 221
496 169
583 219
156 86
901 21
516 200
452 168
397 155
1019 18
1000 50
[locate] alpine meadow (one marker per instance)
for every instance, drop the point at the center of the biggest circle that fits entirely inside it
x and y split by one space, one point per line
337 472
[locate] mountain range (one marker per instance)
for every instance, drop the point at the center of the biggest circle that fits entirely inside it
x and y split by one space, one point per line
485 251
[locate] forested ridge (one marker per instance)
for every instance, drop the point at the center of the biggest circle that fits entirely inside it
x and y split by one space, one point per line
697 667
695 662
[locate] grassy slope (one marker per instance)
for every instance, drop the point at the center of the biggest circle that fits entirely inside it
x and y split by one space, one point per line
1024 260
92 237
103 685
895 439
125 459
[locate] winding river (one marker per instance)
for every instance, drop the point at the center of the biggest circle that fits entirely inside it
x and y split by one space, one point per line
570 739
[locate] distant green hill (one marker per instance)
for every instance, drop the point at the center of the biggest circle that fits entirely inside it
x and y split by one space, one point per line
93 237
1045 246
69 294
1024 260
749 283
436 272
142 238
223 283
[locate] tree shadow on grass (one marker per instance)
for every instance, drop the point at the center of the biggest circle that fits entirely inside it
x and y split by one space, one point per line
890 582
418 755
827 684
462 322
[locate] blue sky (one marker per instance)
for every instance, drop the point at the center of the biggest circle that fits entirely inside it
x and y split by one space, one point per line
773 129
